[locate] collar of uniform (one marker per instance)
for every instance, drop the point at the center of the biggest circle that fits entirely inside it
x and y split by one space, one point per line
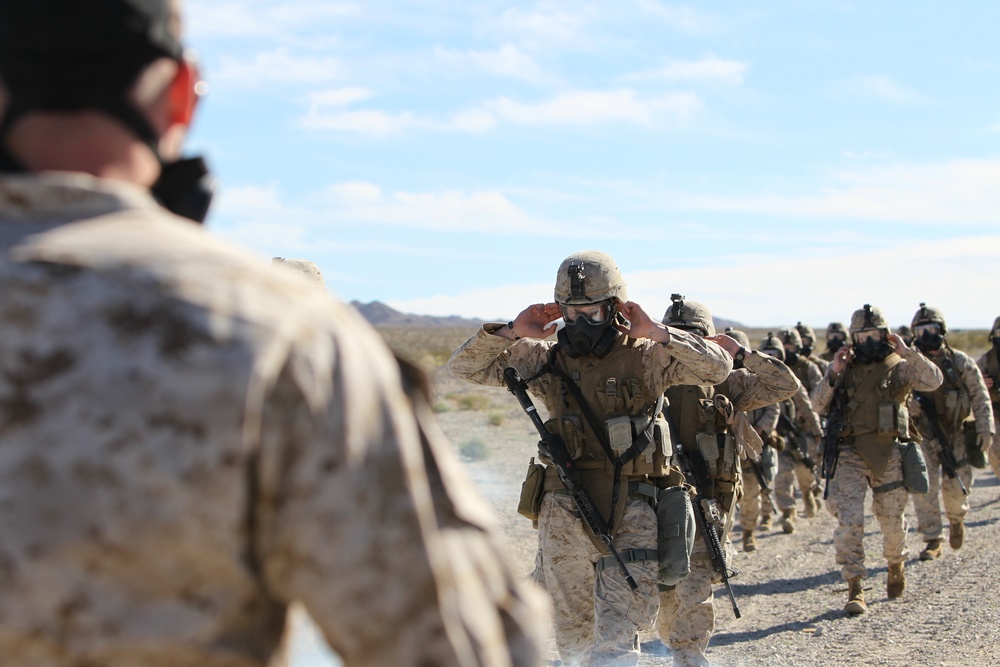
50 196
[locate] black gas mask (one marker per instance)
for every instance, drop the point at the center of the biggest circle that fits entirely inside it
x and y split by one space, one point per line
807 349
929 340
834 344
872 349
791 356
590 329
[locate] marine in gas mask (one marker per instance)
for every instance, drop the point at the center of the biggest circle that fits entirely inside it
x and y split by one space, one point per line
836 338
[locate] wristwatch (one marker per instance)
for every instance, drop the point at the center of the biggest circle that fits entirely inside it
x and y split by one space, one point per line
741 354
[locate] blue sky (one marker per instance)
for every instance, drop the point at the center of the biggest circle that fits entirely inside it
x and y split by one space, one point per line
778 161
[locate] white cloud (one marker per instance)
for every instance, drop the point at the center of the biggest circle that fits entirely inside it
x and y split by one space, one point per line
326 113
278 67
957 191
270 19
507 61
547 26
590 107
706 70
883 88
680 17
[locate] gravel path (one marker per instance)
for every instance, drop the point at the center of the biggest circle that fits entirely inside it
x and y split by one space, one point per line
789 590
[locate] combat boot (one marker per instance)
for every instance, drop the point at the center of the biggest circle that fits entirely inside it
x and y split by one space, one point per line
897 581
765 522
749 541
931 551
956 535
788 520
855 598
810 501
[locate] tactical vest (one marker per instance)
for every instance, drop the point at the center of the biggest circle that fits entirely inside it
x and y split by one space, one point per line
951 400
880 419
993 371
616 394
702 430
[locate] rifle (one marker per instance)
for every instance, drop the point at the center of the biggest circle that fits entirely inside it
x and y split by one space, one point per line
831 439
552 445
758 472
945 454
702 508
800 447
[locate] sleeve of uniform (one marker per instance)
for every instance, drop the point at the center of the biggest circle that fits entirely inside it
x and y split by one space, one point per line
767 382
813 376
361 513
805 413
483 358
979 395
768 419
919 372
822 394
686 359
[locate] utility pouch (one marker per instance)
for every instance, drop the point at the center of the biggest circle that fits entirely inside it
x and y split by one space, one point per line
675 534
619 433
708 447
532 488
914 468
571 430
887 419
976 456
951 399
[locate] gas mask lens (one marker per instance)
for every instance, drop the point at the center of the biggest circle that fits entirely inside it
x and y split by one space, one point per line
865 335
595 313
932 328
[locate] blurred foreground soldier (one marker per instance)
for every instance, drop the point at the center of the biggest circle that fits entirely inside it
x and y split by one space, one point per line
711 423
808 336
866 389
601 383
800 428
989 364
836 338
191 439
960 404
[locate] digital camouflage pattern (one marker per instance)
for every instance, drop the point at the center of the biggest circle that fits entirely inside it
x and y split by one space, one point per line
989 365
791 470
686 359
193 440
854 476
973 398
765 421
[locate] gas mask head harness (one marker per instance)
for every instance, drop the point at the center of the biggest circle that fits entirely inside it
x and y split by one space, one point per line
68 56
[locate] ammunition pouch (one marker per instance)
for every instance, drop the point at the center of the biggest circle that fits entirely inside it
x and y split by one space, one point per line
675 534
532 489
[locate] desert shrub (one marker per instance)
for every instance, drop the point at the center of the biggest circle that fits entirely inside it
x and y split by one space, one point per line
441 406
474 450
495 418
473 401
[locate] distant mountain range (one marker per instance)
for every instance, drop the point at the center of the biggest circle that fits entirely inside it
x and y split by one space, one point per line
379 314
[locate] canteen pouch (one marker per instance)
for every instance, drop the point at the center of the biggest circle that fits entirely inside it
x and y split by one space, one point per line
532 488
675 534
976 456
914 468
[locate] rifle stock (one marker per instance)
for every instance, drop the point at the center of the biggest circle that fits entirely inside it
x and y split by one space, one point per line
552 445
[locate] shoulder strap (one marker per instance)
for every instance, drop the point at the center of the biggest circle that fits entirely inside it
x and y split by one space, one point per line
869 383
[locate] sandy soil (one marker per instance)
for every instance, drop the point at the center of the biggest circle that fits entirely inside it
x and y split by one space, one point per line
790 591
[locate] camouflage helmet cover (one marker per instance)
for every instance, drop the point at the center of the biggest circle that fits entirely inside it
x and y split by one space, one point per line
303 267
805 331
835 327
772 342
903 330
589 277
926 315
689 314
868 317
791 336
740 337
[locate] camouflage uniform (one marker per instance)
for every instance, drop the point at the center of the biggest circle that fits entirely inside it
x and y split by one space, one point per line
870 461
193 440
989 364
962 391
764 421
597 616
791 467
687 616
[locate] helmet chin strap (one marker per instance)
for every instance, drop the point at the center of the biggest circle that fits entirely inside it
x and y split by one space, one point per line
185 187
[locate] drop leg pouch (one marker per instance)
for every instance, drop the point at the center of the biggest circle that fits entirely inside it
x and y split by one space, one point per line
675 534
530 501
